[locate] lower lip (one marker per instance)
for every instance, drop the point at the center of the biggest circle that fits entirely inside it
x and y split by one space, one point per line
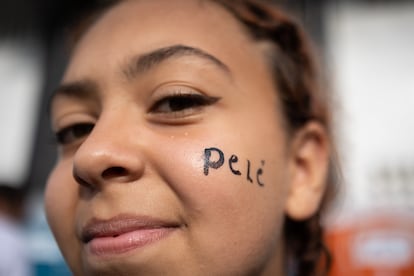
109 246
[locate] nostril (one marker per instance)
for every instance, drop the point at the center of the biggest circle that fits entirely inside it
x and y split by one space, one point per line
80 180
114 172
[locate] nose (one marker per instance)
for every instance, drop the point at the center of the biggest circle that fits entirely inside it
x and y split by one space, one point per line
107 156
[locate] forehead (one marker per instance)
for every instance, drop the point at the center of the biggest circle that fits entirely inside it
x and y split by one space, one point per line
139 26
180 17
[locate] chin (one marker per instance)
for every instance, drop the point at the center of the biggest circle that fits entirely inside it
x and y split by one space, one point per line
128 267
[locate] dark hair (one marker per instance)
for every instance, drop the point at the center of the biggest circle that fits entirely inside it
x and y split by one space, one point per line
303 100
12 200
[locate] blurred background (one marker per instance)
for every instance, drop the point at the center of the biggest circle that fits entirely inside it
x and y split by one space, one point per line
367 47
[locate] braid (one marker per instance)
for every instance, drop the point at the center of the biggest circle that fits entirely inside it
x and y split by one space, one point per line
305 246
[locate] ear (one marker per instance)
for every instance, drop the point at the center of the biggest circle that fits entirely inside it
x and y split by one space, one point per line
308 168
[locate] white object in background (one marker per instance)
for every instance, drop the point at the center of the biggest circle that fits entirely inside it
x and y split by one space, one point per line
372 49
14 256
21 76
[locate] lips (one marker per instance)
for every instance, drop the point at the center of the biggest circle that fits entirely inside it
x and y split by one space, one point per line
124 233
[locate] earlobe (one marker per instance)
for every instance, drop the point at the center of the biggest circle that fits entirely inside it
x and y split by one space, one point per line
309 161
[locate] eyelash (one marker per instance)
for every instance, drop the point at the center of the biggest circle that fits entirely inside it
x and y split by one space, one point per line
73 132
181 104
178 105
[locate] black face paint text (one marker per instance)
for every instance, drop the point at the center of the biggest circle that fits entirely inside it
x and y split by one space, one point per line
219 160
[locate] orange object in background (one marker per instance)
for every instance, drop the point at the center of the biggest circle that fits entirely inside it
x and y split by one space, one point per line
380 244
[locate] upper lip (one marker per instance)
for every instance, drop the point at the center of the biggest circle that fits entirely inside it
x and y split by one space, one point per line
122 224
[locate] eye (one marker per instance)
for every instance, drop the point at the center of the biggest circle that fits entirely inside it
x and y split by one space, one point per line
182 104
73 133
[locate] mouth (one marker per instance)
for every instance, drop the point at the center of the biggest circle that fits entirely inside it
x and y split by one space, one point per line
124 233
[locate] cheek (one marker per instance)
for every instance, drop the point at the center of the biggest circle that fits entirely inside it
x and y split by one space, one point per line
58 194
228 204
60 202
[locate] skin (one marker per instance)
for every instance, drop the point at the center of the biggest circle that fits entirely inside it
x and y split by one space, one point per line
228 226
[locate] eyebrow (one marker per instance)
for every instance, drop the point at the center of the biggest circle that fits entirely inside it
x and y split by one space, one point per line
145 62
83 89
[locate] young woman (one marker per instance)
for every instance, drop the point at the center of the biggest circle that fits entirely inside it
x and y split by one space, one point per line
194 140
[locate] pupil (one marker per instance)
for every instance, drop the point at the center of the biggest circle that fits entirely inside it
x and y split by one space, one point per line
82 129
180 104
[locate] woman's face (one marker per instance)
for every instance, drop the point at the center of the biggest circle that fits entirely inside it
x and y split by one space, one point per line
173 159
